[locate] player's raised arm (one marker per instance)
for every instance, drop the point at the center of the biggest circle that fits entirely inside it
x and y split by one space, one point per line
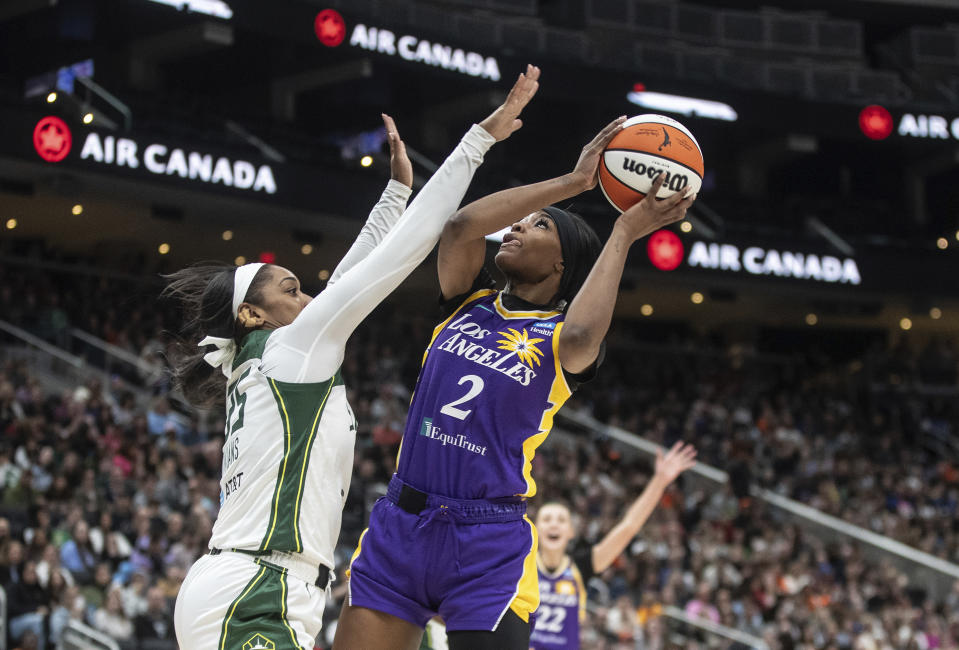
591 311
463 245
680 458
388 209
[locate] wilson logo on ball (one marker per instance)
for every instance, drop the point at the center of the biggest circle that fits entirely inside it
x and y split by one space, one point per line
665 250
674 181
52 139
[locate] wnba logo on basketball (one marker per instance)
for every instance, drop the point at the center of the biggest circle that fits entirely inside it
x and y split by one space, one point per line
674 181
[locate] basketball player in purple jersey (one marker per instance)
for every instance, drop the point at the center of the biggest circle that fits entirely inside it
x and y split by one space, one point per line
451 536
563 576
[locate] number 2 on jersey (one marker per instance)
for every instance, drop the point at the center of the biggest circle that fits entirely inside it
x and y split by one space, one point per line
476 387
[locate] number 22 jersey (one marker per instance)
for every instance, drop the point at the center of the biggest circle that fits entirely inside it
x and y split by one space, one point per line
485 398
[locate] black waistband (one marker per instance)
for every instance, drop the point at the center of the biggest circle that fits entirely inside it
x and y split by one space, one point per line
415 501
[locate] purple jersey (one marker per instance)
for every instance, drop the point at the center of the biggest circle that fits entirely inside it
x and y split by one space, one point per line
490 385
562 607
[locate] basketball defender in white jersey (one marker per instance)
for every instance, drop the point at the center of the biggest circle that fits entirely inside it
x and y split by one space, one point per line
290 431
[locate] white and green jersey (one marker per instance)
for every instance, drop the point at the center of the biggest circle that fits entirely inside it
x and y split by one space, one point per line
290 432
286 462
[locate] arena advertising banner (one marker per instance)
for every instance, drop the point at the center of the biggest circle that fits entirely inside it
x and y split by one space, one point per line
332 29
61 146
55 142
797 264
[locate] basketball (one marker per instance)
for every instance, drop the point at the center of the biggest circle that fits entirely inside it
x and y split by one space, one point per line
647 145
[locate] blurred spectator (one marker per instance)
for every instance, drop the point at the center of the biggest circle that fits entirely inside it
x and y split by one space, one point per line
77 555
110 618
156 622
27 605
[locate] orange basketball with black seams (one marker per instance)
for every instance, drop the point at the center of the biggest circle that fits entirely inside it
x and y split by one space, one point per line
646 146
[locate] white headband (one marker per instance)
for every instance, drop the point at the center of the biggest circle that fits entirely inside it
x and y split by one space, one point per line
242 279
225 352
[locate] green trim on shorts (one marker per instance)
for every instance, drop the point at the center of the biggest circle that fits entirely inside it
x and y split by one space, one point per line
257 619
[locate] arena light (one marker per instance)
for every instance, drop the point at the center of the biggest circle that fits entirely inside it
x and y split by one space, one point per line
942 243
11 224
697 298
163 248
239 260
366 161
306 249
215 8
935 313
905 323
323 275
77 209
87 118
811 319
227 235
268 257
685 226
52 97
688 106
646 310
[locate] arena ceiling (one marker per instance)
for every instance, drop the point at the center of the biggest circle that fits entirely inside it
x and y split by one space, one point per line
793 173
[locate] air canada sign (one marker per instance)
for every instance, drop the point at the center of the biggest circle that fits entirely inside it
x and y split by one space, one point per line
162 160
417 50
754 260
53 142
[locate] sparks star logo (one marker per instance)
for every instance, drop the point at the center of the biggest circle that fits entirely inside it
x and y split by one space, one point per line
524 347
330 27
665 250
259 642
52 139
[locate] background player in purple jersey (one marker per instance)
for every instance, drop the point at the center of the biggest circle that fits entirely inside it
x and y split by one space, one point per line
451 537
563 575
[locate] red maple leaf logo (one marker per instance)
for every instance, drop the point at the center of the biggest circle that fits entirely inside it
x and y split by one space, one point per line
875 122
665 250
52 139
330 27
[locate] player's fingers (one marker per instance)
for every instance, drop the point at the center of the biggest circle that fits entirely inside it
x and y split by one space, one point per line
392 135
688 200
609 132
654 190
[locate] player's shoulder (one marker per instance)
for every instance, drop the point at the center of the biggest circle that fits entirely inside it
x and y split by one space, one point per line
251 347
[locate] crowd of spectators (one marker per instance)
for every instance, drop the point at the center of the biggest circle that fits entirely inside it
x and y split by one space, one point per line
108 497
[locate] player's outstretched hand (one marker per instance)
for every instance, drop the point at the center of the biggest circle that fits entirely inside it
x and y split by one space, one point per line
401 169
587 167
676 461
650 214
505 119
